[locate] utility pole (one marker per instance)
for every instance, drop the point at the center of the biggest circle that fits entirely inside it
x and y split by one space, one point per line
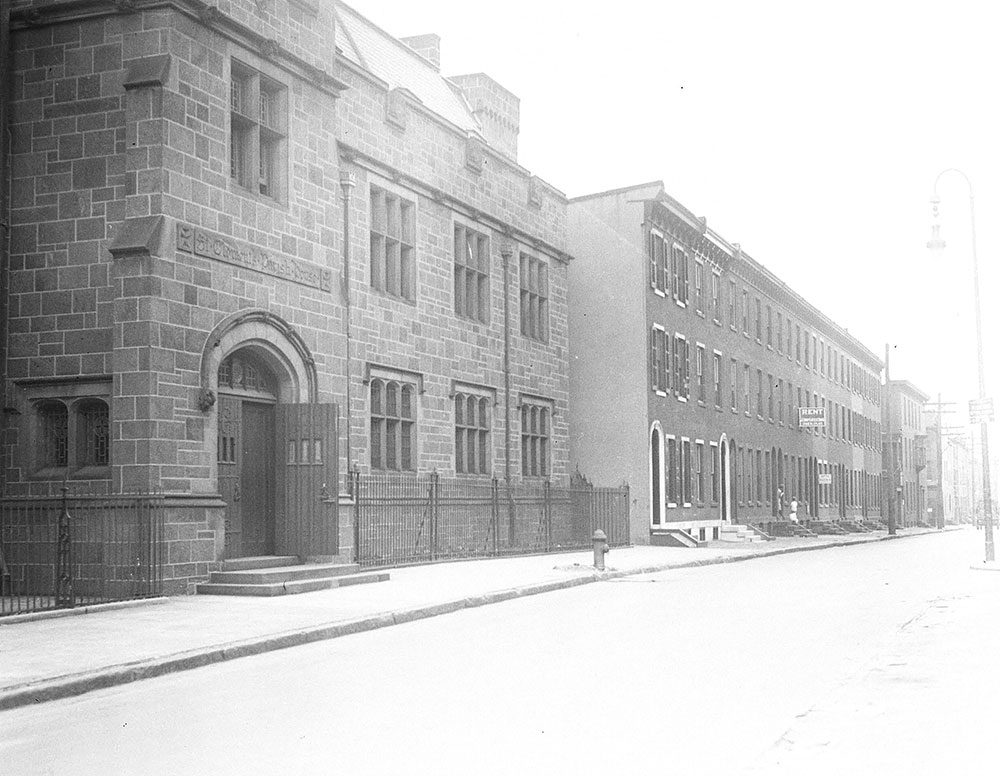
888 464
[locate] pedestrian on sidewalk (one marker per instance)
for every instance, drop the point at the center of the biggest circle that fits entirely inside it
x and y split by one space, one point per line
793 509
781 501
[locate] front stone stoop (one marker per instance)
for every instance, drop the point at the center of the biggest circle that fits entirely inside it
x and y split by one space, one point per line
739 533
274 576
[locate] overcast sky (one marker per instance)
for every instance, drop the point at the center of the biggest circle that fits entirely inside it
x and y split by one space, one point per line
810 133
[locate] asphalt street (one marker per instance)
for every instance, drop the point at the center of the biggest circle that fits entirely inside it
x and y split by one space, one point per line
842 660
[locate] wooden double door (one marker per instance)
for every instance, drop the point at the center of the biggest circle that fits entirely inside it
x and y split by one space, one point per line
278 477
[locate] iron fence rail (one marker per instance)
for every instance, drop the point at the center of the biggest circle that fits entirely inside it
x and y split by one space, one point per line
422 518
79 550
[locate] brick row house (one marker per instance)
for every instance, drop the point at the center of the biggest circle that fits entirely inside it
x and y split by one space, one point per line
242 260
691 363
908 442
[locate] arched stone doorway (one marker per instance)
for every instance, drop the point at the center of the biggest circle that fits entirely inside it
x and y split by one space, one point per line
276 451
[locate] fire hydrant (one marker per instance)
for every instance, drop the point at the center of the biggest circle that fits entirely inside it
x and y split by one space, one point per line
601 548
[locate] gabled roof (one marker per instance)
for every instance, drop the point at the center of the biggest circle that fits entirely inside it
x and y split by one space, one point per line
390 60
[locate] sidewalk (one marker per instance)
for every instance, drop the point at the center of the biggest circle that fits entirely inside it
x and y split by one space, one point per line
44 658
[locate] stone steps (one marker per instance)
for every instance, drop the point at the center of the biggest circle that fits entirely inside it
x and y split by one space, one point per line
739 533
283 576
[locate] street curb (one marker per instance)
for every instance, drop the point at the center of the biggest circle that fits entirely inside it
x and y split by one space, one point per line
78 684
52 614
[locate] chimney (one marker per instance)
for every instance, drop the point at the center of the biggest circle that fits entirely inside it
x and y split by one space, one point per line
428 46
498 111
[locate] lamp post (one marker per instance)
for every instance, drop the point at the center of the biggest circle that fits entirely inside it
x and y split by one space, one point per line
936 244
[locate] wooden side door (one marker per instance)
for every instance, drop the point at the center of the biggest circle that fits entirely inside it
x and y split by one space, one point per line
307 480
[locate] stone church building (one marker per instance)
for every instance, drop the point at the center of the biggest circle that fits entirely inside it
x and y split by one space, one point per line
254 243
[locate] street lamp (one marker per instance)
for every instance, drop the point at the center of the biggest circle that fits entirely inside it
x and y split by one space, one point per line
936 245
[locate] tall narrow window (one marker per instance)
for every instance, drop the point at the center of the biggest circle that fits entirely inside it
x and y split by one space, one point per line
658 352
658 275
699 286
699 365
716 312
686 471
393 425
94 437
746 313
392 244
699 472
472 434
732 384
757 319
746 388
53 420
713 454
258 119
472 274
780 334
770 329
535 439
682 366
717 377
672 470
534 299
732 305
758 484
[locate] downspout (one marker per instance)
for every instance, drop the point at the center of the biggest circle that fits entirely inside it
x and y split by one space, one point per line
347 182
507 251
5 146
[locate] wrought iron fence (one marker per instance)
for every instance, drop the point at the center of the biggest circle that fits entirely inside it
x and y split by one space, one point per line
423 518
61 552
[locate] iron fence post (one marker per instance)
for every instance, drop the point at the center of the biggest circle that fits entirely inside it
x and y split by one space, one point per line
434 514
627 525
511 516
64 556
547 501
495 515
355 475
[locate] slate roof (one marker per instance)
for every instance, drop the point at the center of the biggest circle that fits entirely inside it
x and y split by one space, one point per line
370 47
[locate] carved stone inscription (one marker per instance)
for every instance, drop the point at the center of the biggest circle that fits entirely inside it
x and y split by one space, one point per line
210 245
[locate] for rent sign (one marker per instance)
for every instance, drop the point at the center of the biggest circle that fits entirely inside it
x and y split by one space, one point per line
812 417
